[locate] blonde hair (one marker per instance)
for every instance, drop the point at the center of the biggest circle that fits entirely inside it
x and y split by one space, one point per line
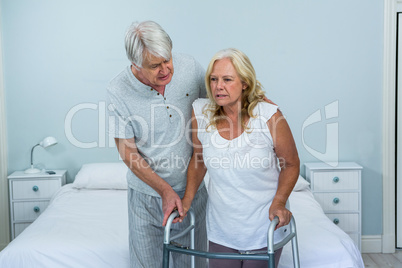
250 96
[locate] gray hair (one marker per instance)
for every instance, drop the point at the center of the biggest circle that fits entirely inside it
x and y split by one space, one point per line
147 36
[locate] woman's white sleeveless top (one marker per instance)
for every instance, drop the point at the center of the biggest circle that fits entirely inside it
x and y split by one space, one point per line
243 180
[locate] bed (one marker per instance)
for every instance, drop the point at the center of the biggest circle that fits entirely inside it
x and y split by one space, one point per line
86 225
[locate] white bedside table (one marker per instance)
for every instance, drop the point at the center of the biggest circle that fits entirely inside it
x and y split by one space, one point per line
30 195
338 190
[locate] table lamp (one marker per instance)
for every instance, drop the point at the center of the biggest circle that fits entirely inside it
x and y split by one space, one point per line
48 141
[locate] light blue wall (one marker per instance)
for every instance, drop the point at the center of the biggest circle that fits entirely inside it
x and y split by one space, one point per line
308 54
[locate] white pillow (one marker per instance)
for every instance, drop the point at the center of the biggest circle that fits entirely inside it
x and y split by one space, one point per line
301 184
102 176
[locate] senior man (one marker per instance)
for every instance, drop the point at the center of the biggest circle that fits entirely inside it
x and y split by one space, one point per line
150 102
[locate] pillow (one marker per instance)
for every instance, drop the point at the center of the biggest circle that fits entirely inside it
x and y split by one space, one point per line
301 184
102 176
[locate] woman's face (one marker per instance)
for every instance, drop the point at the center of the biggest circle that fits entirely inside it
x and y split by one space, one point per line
226 86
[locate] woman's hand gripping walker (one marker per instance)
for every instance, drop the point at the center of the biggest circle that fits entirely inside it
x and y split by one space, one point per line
170 246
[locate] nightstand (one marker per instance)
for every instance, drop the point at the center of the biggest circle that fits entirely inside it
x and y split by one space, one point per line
30 195
338 190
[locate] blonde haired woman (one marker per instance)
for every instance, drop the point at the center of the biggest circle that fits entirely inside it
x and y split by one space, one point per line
248 149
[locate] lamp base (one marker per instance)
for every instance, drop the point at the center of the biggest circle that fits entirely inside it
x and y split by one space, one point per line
32 170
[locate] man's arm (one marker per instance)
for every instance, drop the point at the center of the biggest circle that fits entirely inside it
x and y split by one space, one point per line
137 164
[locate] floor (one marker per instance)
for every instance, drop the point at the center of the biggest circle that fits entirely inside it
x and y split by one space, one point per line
376 260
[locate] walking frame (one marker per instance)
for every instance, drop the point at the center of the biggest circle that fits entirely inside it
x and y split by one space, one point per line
170 246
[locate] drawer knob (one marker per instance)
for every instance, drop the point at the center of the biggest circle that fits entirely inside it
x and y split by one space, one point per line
336 200
335 179
336 220
36 209
35 188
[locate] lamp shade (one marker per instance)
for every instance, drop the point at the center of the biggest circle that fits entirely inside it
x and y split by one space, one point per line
48 141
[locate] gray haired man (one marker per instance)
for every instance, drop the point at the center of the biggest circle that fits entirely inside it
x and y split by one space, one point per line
150 101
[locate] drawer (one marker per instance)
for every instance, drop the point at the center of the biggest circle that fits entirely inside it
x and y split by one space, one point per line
19 227
28 189
347 222
338 201
335 180
28 211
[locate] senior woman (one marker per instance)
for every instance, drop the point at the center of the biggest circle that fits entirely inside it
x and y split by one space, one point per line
248 149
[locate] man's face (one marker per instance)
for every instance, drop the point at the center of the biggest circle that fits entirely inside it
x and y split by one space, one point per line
156 71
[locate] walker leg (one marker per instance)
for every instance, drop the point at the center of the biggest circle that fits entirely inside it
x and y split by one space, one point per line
271 261
192 238
295 251
166 254
295 248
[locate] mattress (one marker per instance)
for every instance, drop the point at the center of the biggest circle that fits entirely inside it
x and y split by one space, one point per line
80 228
89 228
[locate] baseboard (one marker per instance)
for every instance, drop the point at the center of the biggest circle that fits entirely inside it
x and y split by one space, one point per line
388 242
371 244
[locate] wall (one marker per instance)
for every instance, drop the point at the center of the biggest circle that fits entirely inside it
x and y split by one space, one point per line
309 55
4 211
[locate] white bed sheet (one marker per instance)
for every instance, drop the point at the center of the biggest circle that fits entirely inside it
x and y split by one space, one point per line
80 228
89 228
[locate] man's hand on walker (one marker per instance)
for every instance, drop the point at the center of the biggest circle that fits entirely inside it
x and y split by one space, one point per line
170 202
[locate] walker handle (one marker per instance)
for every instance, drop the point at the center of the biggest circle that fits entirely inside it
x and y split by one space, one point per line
175 214
167 239
271 230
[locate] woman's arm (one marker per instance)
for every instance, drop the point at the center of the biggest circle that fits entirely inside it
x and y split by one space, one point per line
196 169
286 151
